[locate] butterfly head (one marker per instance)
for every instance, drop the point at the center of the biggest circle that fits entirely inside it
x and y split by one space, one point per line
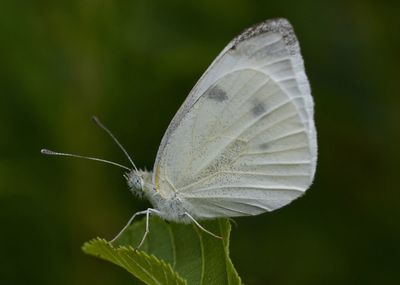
135 182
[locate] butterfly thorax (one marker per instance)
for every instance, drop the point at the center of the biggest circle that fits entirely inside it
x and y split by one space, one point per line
171 208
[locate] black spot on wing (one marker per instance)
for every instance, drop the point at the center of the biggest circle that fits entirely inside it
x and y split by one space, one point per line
264 146
258 109
217 94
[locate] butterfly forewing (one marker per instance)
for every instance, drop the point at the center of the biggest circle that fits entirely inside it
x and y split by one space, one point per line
244 141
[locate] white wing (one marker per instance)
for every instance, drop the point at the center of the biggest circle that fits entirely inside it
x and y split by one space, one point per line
244 141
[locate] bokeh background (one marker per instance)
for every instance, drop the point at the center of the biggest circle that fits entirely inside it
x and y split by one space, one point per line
132 63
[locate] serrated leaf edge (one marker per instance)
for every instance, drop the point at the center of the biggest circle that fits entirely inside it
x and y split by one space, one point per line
92 248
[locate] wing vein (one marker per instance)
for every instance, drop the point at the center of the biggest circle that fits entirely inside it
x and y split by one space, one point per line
304 162
182 189
284 188
226 208
296 132
277 151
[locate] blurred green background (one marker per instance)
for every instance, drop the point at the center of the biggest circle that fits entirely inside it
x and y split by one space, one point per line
132 63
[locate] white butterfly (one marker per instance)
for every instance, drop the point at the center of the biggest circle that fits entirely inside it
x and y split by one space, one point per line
244 141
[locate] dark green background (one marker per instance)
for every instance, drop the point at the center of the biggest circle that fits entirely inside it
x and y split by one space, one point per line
132 63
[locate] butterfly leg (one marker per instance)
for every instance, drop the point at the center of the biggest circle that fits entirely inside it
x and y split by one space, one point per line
131 220
149 210
200 226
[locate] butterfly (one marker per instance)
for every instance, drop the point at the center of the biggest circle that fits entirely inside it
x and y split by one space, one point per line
244 141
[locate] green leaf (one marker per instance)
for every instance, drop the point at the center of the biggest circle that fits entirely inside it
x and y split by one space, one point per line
145 267
172 253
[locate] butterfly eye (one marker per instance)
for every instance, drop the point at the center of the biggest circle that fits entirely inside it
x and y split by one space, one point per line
137 182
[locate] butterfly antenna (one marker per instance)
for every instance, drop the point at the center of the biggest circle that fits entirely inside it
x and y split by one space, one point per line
50 152
100 124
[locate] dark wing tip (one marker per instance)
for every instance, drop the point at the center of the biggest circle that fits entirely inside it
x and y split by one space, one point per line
276 25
